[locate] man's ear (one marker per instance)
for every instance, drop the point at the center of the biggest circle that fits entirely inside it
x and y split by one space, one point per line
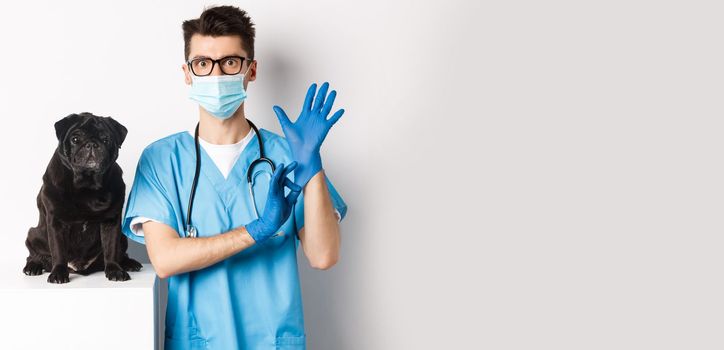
119 131
62 126
187 74
252 74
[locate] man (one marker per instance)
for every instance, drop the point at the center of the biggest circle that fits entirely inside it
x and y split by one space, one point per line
232 268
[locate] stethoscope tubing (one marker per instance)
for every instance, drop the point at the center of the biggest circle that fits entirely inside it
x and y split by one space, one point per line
190 229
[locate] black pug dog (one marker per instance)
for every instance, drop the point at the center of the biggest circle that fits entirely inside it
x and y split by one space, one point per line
80 203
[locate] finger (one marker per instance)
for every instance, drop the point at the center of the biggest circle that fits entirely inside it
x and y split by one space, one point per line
284 120
273 186
289 169
294 194
310 95
336 117
282 116
321 95
292 186
329 103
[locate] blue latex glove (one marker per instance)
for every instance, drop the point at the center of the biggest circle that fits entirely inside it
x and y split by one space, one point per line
277 207
306 134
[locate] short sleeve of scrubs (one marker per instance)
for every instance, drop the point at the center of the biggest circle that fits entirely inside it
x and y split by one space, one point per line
337 202
148 198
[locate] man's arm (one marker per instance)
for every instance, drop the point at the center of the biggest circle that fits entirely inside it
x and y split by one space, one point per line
305 137
171 254
320 235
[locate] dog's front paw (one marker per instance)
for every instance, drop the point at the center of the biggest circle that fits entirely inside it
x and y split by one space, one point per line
129 264
59 274
116 273
33 268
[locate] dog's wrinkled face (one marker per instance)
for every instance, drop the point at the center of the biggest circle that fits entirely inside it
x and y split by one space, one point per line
89 143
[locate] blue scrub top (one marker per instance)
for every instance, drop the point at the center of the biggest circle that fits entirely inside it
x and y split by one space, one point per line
251 300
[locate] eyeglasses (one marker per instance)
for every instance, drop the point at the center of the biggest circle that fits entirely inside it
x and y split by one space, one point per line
230 65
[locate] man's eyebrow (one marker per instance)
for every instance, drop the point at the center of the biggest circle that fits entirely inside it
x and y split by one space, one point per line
202 56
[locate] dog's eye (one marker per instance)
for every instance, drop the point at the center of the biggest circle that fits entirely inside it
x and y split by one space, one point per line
105 140
74 139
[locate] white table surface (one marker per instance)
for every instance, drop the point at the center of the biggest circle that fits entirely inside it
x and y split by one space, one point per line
12 277
89 312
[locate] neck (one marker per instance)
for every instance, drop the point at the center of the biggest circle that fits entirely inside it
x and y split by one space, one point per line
223 132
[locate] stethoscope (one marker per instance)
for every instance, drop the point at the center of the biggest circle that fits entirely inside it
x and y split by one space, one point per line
190 229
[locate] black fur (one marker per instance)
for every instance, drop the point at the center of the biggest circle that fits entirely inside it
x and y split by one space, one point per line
80 203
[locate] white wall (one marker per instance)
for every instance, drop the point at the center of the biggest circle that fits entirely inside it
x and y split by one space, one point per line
519 174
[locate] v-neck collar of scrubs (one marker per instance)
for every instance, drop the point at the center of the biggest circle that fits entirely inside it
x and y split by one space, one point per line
226 188
226 155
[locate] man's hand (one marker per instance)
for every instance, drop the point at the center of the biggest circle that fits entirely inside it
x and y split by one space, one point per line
277 208
306 134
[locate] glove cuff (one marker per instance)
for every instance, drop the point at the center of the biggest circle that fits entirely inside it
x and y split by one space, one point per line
306 170
256 230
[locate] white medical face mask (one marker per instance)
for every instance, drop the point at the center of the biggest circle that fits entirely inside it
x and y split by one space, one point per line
220 95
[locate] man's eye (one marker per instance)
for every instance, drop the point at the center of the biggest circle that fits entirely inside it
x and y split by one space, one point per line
202 64
230 62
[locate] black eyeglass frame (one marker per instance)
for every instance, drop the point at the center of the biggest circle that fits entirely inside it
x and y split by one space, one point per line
214 62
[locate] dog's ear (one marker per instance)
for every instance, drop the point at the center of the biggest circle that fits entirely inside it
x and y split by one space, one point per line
119 131
62 126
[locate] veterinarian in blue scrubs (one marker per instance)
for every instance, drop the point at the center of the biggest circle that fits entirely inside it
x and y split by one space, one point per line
235 285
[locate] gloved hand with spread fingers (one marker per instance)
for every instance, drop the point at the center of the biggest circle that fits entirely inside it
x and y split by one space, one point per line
306 134
277 208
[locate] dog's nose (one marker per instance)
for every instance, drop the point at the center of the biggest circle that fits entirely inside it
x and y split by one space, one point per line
92 144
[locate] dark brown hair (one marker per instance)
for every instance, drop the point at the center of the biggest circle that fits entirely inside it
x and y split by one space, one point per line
221 21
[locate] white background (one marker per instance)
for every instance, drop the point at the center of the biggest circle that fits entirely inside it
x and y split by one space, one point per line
519 174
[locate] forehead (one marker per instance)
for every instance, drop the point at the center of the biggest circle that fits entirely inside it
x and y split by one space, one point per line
90 124
215 47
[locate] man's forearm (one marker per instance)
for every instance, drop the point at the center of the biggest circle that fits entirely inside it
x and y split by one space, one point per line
179 255
321 239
